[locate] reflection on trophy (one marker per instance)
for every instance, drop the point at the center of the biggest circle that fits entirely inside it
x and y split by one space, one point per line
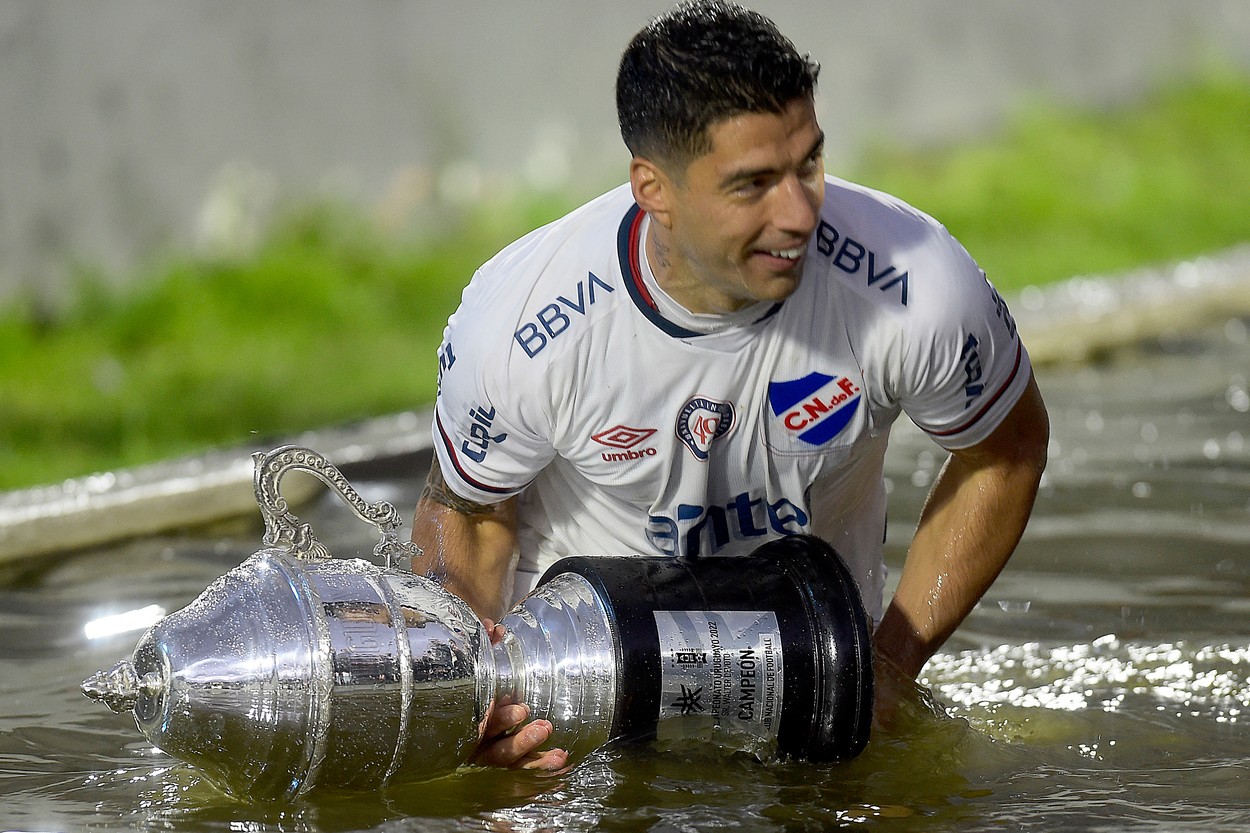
296 670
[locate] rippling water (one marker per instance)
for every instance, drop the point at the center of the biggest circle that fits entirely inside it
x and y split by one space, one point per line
1103 684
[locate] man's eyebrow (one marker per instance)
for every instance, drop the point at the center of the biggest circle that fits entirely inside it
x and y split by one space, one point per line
747 174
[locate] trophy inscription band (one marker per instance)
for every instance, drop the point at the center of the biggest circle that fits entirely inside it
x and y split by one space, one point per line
723 668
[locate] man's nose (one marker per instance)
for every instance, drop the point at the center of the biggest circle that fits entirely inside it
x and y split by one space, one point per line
797 209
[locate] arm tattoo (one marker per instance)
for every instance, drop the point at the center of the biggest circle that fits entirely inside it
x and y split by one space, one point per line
437 490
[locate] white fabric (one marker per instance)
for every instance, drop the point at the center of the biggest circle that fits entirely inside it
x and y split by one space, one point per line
624 432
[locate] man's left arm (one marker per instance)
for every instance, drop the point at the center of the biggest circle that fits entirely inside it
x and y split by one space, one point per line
972 520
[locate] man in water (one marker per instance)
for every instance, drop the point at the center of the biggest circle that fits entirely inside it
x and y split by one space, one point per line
712 355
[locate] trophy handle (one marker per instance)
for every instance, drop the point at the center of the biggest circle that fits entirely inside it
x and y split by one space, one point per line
284 530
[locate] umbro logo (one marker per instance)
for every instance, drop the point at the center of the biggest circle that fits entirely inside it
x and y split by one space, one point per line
624 438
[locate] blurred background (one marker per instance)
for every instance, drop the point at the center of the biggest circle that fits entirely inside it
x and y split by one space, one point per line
226 221
133 127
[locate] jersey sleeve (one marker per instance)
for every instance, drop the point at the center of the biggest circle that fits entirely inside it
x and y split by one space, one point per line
491 435
964 367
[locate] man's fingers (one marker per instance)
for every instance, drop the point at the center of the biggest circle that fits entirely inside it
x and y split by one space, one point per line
552 760
520 749
511 742
494 631
505 719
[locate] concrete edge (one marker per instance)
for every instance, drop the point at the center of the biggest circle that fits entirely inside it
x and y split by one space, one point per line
145 500
1074 322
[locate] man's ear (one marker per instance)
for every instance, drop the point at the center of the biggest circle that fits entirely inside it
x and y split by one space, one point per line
652 189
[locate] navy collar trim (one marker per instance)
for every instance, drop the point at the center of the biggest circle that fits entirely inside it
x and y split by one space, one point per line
628 238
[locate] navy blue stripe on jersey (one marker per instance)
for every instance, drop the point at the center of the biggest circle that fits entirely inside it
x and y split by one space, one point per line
773 310
628 247
455 462
989 404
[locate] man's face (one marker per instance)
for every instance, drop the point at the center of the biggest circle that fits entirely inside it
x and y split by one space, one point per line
740 217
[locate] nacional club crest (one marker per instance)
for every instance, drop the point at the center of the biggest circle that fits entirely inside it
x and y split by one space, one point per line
701 421
816 408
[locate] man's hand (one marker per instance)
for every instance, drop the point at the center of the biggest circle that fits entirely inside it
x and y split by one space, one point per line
898 700
470 549
508 741
505 746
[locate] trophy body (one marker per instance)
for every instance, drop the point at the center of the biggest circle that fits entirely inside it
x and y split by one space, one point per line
297 671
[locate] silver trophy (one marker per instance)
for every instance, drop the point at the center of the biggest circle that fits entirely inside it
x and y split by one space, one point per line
296 670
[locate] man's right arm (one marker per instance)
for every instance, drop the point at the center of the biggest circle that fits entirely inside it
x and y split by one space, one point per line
467 547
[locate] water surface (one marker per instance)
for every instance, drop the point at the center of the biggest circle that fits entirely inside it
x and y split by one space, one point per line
1103 684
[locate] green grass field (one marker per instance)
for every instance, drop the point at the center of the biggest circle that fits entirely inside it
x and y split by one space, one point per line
330 320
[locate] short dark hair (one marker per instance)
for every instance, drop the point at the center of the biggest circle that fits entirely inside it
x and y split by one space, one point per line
699 63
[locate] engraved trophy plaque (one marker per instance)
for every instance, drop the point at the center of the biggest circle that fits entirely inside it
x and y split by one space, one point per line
296 670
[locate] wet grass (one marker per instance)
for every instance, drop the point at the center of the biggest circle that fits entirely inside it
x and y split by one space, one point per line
329 320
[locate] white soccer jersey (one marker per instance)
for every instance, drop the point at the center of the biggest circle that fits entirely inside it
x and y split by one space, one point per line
628 430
